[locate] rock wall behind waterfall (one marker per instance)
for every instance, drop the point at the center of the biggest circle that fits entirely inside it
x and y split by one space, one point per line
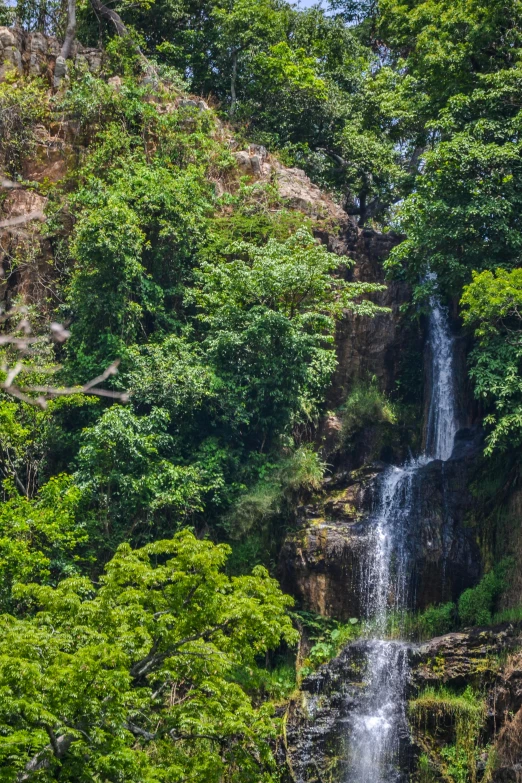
323 560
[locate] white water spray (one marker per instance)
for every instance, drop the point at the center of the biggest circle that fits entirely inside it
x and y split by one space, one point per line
376 729
442 418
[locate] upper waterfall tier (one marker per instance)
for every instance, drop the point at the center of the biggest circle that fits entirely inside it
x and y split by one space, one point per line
442 417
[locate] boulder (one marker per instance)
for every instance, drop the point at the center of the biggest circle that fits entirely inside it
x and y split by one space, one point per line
471 657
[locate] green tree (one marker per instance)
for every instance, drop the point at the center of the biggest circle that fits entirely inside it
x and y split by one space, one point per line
492 307
269 314
129 476
463 213
448 45
41 539
137 679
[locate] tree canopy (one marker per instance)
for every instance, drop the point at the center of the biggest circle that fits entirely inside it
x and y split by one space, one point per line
137 679
142 630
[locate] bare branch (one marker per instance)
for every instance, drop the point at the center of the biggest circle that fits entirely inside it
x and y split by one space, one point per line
27 393
42 760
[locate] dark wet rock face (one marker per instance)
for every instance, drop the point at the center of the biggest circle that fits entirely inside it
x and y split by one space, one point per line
319 720
370 347
324 561
444 558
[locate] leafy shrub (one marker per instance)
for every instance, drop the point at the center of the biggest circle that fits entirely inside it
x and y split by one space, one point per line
513 615
467 712
491 305
434 621
365 405
476 605
328 636
23 105
425 771
277 683
127 470
280 484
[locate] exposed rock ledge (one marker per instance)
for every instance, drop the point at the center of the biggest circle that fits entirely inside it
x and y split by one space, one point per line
34 54
324 561
489 659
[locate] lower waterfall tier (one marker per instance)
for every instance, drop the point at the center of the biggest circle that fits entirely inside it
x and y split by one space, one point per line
320 718
323 561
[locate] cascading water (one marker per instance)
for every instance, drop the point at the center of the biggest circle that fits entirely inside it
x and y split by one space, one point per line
442 417
375 730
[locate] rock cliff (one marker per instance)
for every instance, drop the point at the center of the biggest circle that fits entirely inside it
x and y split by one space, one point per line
487 659
324 561
35 54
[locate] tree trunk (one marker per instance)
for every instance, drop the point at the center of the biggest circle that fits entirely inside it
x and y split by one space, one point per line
110 16
71 30
233 80
115 19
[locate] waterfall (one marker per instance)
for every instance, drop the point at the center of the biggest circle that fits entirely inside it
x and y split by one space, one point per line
442 419
375 731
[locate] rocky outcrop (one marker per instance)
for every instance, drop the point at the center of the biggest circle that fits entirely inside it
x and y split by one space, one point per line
294 187
35 54
318 720
324 561
471 657
489 660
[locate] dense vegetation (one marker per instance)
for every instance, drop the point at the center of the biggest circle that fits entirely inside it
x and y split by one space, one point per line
146 647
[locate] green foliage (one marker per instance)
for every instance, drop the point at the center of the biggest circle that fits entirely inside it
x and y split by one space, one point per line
132 246
138 675
365 405
476 605
512 615
22 107
464 213
269 313
425 772
6 14
276 684
433 621
276 491
327 636
36 443
125 472
447 46
467 713
491 306
40 539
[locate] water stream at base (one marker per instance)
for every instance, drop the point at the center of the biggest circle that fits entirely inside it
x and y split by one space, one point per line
376 729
